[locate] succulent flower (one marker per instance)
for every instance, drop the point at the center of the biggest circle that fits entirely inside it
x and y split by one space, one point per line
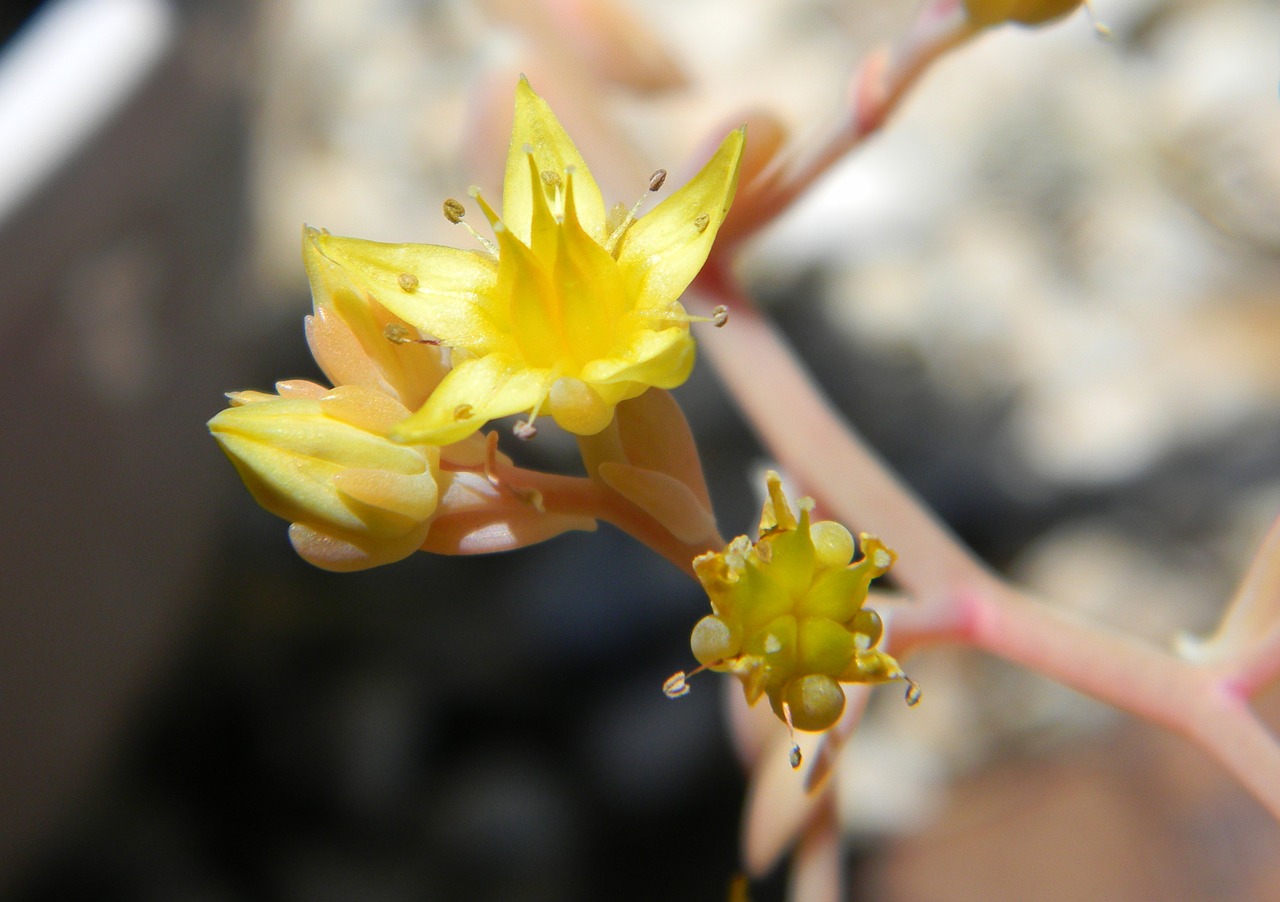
573 310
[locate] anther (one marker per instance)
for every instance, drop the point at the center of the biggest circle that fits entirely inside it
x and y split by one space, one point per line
407 282
912 695
399 334
462 412
702 222
794 756
620 219
454 211
524 430
551 178
678 683
719 316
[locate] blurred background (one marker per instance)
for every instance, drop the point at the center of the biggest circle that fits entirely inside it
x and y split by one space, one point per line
1047 294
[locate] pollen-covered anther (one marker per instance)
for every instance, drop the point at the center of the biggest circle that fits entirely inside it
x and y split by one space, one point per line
701 222
913 693
397 334
462 412
407 281
400 334
524 430
551 178
454 211
676 685
719 316
657 180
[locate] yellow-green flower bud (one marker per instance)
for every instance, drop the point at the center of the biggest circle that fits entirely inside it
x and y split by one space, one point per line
985 13
788 613
322 460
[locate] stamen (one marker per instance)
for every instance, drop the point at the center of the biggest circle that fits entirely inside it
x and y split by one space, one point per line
624 220
528 495
676 314
463 412
399 334
408 282
794 757
525 429
454 211
551 179
677 684
495 221
912 695
702 222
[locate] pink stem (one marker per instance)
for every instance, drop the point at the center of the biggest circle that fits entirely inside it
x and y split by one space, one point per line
957 598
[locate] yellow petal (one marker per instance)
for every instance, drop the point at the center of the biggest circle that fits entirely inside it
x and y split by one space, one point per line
442 291
664 249
537 129
661 359
476 391
348 337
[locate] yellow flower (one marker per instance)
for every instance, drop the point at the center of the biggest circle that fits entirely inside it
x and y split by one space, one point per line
789 620
321 459
573 311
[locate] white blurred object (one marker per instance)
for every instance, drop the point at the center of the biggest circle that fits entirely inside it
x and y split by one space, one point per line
66 72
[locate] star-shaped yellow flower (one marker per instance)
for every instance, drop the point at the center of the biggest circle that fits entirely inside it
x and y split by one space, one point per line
574 311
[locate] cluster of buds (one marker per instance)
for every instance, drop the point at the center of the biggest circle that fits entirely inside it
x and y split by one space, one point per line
572 313
788 614
572 310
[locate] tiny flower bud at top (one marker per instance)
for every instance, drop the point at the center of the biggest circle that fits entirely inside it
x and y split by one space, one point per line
985 13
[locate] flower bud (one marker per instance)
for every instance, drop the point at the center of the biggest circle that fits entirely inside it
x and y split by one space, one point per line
322 460
788 617
984 13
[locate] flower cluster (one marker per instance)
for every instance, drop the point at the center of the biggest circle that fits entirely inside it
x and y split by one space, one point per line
573 311
788 617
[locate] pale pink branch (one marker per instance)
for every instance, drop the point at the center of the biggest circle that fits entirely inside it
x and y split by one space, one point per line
957 598
877 89
1246 644
822 453
817 872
